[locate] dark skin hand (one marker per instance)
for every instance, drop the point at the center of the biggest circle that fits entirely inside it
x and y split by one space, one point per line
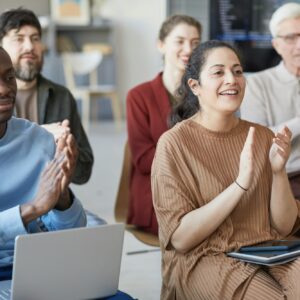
68 146
53 189
48 192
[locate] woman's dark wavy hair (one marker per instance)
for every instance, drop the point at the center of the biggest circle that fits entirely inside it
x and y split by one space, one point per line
188 103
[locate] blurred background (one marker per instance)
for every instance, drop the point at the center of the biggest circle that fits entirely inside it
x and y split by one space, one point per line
126 32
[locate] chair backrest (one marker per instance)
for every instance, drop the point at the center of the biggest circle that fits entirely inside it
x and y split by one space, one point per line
122 202
81 63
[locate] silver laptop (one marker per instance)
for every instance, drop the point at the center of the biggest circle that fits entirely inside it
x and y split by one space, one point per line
81 263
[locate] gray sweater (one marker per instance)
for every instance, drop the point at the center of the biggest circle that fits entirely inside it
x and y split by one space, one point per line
272 99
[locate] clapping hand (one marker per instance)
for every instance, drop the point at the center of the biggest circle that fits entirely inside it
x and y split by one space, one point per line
58 129
68 146
280 150
246 168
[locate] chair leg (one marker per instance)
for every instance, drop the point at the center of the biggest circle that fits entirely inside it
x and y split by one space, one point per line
117 110
86 111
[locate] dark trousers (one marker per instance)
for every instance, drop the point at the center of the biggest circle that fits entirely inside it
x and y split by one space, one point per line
294 179
6 274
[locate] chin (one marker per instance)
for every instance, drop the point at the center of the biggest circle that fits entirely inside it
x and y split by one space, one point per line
181 66
5 117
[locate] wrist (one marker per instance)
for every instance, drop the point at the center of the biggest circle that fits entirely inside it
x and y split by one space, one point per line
280 173
65 200
30 212
241 186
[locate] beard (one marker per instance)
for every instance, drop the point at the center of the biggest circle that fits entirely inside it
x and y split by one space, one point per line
28 71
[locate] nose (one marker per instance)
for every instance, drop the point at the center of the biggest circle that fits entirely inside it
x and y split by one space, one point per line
4 89
27 44
187 48
298 42
229 77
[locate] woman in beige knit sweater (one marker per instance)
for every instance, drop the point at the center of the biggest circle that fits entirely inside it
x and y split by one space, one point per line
219 183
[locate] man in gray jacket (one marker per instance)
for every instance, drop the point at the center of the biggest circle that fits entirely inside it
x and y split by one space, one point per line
38 99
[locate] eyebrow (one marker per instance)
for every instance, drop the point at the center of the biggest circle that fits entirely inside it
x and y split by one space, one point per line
17 33
220 65
181 37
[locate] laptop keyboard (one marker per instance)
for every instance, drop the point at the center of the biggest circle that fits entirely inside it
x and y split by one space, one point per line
5 294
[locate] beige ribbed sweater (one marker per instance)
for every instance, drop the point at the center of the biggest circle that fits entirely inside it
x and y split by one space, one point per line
192 166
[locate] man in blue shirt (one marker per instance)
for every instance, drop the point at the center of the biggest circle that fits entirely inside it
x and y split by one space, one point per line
35 174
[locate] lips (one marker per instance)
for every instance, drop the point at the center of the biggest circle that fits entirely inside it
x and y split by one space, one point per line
28 56
230 92
6 105
185 59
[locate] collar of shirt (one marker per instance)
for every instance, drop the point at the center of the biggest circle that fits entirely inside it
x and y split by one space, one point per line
284 75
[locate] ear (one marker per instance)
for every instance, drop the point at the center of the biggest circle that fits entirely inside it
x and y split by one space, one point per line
276 45
161 46
194 86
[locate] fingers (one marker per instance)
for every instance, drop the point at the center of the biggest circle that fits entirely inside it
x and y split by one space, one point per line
57 129
72 146
67 146
61 144
55 166
248 146
250 136
283 142
286 132
246 160
66 123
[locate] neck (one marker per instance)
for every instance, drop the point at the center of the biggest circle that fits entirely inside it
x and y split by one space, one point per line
3 127
293 69
218 123
171 79
25 85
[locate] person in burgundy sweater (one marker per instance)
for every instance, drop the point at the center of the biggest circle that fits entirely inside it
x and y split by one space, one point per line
148 106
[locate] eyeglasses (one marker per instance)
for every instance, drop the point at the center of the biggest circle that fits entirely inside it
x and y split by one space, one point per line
290 38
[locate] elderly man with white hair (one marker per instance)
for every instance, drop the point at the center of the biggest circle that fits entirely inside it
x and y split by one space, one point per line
272 96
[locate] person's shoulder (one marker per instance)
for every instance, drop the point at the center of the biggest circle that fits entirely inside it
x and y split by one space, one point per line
55 87
262 75
175 135
26 127
21 125
146 87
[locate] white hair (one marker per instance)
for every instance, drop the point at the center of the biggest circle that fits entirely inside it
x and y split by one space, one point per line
287 11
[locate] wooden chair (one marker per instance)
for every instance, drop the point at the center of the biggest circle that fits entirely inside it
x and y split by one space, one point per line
122 202
87 63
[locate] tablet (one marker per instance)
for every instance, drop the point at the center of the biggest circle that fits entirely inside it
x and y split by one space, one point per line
272 246
268 258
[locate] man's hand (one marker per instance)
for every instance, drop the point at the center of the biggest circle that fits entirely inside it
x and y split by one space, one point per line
58 129
68 146
48 192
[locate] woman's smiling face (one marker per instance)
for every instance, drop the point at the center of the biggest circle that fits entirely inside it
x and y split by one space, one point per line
178 45
222 82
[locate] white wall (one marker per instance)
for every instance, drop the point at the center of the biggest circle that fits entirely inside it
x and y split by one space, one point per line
137 24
